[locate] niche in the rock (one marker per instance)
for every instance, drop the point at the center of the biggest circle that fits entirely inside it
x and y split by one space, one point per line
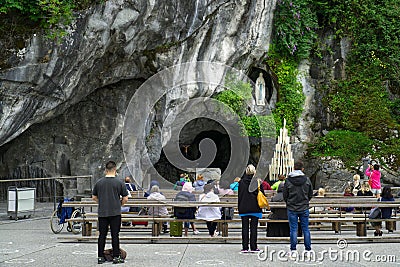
64 165
254 73
189 139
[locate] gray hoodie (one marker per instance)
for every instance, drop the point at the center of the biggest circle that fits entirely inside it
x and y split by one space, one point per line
297 191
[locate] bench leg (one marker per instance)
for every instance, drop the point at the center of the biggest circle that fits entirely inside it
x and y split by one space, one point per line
361 229
390 226
224 229
337 227
156 229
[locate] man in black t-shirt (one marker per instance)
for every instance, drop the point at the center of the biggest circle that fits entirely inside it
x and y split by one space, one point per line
107 192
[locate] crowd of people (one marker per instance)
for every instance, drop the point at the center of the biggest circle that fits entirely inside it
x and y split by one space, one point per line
295 191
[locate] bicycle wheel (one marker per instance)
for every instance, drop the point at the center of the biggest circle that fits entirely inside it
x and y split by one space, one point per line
76 226
55 224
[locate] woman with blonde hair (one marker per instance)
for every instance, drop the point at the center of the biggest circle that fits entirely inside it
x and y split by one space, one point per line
356 184
249 211
365 190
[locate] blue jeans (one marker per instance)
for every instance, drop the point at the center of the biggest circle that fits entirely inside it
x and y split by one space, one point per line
293 217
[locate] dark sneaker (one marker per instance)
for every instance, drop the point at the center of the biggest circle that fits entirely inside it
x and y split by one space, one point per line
101 260
257 250
244 251
118 259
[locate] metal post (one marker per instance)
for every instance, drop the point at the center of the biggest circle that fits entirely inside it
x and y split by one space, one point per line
16 203
55 193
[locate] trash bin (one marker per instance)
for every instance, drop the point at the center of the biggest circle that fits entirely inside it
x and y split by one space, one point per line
87 229
21 202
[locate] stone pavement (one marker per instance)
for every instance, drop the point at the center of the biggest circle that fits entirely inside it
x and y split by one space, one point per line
30 242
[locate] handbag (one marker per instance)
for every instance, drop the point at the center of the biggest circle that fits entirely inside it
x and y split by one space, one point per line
261 198
375 213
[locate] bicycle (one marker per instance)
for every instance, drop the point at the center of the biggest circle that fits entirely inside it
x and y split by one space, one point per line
60 215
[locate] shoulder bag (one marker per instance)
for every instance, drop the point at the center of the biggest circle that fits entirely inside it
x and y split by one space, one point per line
261 198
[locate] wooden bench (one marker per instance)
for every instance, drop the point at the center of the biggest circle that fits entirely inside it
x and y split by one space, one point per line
335 218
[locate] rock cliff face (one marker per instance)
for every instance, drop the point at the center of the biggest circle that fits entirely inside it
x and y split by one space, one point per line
63 105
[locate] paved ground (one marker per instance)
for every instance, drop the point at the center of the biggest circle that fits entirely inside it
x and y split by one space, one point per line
30 242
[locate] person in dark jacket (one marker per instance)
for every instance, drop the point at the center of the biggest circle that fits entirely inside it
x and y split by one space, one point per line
186 213
297 193
386 212
249 210
278 228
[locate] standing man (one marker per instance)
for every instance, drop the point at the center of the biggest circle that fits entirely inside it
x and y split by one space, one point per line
107 192
297 193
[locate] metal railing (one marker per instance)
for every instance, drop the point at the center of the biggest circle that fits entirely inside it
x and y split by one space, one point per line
34 183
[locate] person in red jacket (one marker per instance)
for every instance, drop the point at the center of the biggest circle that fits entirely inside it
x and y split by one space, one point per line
266 185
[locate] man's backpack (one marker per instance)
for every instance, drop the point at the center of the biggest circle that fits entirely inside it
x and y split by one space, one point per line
227 213
375 213
108 254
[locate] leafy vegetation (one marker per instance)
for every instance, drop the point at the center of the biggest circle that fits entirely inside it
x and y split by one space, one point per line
50 15
295 24
365 117
361 103
291 97
294 36
238 97
346 145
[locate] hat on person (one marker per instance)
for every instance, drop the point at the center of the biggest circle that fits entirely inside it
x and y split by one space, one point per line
155 188
208 187
187 187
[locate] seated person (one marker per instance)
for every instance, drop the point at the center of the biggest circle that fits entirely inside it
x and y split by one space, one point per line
266 186
199 183
183 178
159 210
386 213
348 193
215 185
223 189
129 185
235 185
209 214
152 183
365 190
276 184
278 228
356 185
320 193
183 212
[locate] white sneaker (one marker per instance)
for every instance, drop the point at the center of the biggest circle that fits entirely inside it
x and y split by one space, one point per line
196 232
292 255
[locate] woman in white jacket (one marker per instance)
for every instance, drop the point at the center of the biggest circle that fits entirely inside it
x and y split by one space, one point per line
159 210
209 214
